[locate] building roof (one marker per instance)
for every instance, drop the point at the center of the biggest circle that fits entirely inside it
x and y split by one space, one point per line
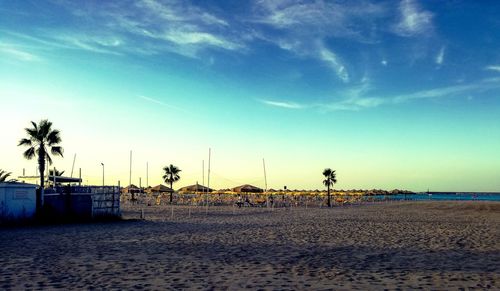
161 188
248 189
195 188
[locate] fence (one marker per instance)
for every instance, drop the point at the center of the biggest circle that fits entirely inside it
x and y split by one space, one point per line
84 201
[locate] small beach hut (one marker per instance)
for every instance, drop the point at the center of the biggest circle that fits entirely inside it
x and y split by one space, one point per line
132 189
161 189
195 188
247 189
17 200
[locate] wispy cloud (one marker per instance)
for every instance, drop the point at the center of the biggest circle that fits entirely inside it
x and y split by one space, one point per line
306 28
360 97
493 68
332 60
18 53
159 102
283 104
440 56
414 21
149 27
176 26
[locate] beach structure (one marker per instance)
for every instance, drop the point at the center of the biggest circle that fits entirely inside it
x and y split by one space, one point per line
246 188
160 189
195 188
131 189
17 201
84 202
50 180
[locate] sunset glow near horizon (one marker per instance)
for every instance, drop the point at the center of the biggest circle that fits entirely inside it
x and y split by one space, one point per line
389 94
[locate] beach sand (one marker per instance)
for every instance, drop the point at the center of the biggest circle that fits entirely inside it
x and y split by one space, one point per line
400 245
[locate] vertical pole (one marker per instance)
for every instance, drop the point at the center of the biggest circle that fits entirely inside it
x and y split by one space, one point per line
130 170
202 178
265 182
54 176
208 175
24 172
80 176
102 176
265 176
147 174
72 167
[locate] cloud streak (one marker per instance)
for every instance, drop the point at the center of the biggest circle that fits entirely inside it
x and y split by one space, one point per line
440 56
158 102
493 68
18 54
282 104
359 97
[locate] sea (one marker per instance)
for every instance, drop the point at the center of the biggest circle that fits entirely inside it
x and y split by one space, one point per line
469 196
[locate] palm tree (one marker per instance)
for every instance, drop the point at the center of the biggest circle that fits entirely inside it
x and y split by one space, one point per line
171 176
41 140
330 179
4 176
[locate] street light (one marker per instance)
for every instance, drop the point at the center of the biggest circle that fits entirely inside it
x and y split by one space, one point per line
102 164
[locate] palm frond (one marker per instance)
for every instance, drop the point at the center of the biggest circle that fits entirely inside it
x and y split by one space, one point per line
57 150
25 142
32 133
4 175
44 129
53 137
29 153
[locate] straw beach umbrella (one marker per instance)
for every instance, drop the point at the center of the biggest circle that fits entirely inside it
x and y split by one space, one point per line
161 189
247 189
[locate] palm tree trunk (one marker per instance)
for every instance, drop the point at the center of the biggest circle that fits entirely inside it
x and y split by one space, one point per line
171 193
329 201
41 169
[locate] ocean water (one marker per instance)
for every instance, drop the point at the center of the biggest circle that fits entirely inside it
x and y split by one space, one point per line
442 196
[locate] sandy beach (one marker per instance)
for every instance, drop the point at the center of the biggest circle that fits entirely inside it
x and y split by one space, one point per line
400 245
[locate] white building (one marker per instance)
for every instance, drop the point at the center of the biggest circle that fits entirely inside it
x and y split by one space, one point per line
17 201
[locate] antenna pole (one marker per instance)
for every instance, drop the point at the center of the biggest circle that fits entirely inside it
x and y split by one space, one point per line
130 172
208 175
72 167
265 176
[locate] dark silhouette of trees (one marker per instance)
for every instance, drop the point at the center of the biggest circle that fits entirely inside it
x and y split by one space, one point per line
330 179
171 175
4 175
41 140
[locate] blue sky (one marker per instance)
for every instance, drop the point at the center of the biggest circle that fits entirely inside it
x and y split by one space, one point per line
391 94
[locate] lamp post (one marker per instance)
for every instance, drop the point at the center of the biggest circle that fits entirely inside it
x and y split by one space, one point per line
102 164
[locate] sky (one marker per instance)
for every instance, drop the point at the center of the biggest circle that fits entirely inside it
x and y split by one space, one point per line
390 94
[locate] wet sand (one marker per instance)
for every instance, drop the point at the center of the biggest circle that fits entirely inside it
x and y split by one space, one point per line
402 245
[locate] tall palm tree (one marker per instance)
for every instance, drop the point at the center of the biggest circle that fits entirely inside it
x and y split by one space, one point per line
171 176
330 179
4 176
41 140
